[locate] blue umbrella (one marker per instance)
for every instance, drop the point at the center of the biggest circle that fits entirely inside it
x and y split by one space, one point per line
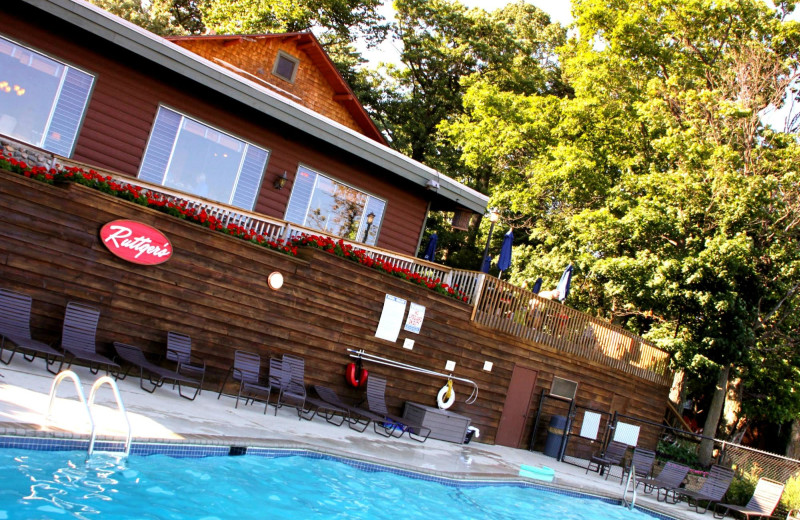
486 264
504 261
537 285
563 284
430 251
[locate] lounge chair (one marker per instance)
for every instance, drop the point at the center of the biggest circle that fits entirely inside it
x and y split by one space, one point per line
15 328
642 462
615 452
157 375
357 418
247 369
671 476
179 350
79 337
291 382
761 505
376 389
717 483
332 413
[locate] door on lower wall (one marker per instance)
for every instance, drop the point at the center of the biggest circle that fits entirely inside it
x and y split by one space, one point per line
516 408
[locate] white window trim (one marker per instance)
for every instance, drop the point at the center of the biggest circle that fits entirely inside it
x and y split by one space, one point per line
286 55
215 128
79 126
334 179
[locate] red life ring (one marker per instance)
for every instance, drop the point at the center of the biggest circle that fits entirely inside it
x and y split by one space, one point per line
356 376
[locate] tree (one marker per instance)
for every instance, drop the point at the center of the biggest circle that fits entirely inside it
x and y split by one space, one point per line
163 17
658 179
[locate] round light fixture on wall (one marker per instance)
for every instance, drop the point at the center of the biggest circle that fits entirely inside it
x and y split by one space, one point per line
275 280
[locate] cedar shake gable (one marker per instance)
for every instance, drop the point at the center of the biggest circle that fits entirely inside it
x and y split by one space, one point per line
316 83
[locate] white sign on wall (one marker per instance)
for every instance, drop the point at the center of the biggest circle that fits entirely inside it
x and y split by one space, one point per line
416 313
626 433
590 425
391 318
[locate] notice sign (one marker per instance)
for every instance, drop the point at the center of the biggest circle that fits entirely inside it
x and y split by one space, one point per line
136 242
416 313
391 318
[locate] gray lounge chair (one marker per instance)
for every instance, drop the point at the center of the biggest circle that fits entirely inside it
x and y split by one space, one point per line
671 476
761 505
15 328
157 375
79 337
376 390
290 383
613 455
642 462
357 418
713 490
247 370
179 350
336 415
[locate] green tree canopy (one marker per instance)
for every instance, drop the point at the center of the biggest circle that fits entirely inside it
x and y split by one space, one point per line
658 178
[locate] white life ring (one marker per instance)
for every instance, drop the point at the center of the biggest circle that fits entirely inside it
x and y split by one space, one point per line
440 399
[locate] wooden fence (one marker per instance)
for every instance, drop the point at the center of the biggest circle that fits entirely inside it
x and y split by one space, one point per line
516 311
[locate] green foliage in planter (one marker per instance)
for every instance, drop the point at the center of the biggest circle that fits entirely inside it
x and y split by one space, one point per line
680 451
791 495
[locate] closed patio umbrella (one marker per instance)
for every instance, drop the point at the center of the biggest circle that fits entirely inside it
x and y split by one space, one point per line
563 284
430 251
486 264
537 286
504 261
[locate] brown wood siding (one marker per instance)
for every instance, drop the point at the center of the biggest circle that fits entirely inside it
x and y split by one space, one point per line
126 97
214 289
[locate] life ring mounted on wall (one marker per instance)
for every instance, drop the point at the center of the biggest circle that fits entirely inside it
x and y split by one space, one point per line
356 375
446 396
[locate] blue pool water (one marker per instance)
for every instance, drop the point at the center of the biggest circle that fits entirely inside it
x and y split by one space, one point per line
53 485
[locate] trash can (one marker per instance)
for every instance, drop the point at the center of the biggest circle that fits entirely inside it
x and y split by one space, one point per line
555 434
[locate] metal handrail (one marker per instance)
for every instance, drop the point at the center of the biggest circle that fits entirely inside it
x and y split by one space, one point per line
631 478
360 354
110 382
67 374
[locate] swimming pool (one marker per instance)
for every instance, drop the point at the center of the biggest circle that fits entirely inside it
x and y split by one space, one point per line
61 484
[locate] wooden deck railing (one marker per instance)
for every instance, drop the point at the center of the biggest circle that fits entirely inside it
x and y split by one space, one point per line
516 311
496 304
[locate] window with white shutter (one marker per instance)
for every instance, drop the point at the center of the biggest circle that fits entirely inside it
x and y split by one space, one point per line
322 203
190 156
42 101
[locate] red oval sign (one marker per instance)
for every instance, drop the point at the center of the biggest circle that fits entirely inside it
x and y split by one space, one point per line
136 242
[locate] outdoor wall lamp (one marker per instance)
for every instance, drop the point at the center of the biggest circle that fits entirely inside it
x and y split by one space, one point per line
494 216
275 280
280 181
370 220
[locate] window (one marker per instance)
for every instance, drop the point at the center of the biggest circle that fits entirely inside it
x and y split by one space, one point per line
285 66
42 101
190 156
321 203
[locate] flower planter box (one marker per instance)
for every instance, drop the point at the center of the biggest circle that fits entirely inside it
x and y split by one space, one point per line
444 425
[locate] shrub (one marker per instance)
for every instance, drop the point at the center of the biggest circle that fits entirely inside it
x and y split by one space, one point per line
791 494
680 451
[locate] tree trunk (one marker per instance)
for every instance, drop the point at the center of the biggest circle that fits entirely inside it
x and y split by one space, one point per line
677 394
712 420
793 448
733 407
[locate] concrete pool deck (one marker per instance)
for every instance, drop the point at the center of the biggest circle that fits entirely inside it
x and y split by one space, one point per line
166 417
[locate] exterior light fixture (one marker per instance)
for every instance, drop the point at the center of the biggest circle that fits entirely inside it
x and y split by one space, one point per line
370 220
280 181
275 280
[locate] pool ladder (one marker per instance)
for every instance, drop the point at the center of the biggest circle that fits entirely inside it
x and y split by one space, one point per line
631 478
88 405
